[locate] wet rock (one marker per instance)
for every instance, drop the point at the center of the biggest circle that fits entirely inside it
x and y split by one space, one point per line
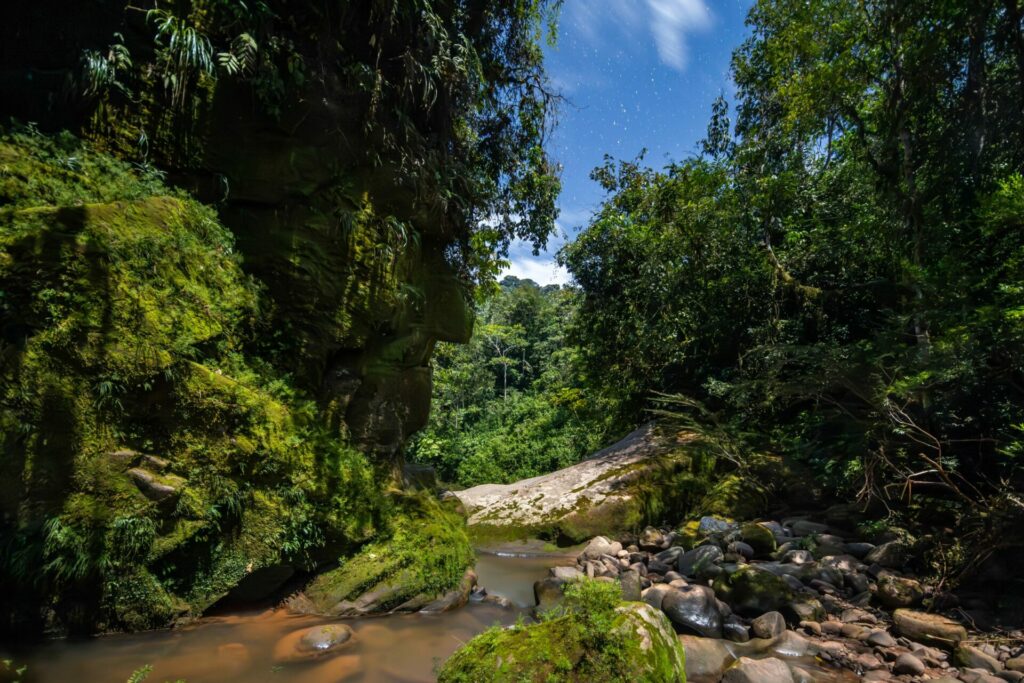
1015 664
701 557
908 664
654 595
807 609
768 625
932 629
312 643
742 549
970 657
856 615
747 670
669 556
811 627
858 583
758 537
706 658
630 582
735 630
891 555
694 608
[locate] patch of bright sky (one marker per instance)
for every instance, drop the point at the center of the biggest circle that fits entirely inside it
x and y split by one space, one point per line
637 74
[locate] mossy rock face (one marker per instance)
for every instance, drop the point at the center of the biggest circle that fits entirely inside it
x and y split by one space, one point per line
592 637
425 558
150 461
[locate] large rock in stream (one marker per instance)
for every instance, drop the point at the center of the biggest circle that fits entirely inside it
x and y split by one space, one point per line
608 493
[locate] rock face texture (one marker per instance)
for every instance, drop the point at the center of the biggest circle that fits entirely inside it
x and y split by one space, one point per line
608 492
209 373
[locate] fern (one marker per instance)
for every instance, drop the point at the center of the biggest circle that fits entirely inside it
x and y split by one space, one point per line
102 71
186 53
241 58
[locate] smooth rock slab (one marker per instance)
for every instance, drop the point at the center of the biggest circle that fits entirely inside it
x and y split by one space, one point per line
931 629
598 495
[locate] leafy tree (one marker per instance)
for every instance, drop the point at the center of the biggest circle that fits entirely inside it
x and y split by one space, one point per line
510 404
842 277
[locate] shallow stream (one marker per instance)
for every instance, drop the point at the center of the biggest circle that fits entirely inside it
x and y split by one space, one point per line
247 646
240 647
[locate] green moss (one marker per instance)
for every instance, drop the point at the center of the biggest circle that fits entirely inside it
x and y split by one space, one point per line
126 317
592 637
753 591
425 554
758 537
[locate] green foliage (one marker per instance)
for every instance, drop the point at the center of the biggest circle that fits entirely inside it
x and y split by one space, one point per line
451 97
126 318
423 553
510 404
840 281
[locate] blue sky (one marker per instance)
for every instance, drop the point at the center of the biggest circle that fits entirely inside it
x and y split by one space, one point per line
636 74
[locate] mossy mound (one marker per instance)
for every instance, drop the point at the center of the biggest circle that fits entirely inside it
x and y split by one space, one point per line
424 557
124 319
591 637
752 591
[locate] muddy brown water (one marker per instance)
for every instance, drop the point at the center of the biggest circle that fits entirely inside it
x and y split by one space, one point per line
239 647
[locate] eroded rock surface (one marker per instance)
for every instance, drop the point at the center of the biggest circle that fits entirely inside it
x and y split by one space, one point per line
605 493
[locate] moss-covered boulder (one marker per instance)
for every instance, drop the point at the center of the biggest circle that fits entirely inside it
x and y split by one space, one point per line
752 591
591 637
421 565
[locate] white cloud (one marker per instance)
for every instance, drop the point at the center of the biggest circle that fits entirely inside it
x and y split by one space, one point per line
540 270
671 21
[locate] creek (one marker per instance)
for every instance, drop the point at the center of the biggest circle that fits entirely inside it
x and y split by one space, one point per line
240 646
246 646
